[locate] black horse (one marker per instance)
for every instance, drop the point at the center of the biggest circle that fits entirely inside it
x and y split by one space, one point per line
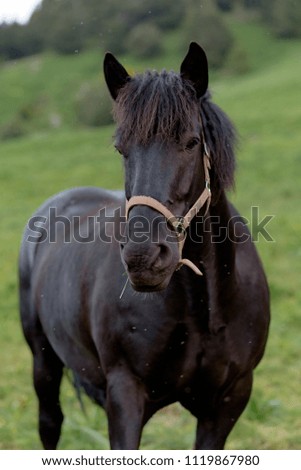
198 325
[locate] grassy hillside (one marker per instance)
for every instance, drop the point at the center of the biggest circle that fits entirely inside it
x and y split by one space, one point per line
40 92
264 104
266 110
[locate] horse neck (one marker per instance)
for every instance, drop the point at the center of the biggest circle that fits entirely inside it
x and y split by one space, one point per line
212 244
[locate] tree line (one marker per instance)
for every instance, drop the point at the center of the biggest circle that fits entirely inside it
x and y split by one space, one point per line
138 26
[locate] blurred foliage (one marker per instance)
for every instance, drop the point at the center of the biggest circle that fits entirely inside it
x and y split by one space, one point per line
283 17
141 29
204 24
68 26
238 61
17 41
13 129
145 40
225 5
93 105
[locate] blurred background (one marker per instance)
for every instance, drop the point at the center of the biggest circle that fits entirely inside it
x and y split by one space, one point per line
56 132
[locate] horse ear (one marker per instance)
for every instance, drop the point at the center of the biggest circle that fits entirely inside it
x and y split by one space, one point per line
115 74
195 68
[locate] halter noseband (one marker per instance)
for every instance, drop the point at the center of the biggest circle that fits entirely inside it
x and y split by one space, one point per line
179 224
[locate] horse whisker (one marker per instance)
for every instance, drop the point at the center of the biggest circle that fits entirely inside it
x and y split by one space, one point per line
124 287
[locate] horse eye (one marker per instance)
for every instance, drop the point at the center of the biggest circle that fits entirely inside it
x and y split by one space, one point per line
192 143
119 151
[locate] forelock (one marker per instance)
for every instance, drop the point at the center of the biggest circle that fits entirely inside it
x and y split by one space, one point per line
155 104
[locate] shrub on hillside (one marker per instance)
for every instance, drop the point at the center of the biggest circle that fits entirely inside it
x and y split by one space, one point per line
205 25
225 5
237 61
113 36
17 42
166 14
13 129
93 105
283 17
65 38
145 40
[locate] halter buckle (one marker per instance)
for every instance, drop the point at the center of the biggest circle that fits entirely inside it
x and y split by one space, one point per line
207 185
179 226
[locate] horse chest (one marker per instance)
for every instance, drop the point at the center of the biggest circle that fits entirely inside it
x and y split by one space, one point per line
165 357
173 357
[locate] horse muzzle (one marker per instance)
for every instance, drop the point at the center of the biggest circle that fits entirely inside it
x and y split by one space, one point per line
149 264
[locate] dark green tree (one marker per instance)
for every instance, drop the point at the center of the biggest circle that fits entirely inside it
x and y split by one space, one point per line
205 25
16 42
145 40
283 17
225 5
166 14
57 23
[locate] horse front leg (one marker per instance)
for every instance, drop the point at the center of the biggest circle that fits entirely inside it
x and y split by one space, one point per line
125 407
214 427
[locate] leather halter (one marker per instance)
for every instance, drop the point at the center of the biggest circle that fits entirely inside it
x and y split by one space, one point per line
179 224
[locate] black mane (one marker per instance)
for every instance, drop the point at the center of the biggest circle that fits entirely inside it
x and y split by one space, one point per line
220 136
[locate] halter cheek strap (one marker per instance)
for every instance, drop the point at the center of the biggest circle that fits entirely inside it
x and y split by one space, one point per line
179 224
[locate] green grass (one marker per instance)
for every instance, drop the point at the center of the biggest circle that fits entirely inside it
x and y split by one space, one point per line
264 104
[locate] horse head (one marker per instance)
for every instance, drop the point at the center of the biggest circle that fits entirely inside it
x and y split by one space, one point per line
161 138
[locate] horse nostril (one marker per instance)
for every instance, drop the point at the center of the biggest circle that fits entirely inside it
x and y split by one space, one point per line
163 257
157 257
158 263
